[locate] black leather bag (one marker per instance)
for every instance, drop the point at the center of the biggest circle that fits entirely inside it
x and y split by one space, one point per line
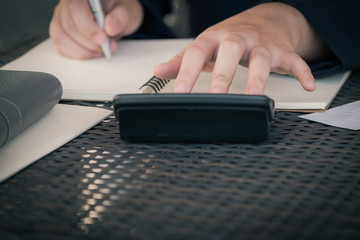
25 97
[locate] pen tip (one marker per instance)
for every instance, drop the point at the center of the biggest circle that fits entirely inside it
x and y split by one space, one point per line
108 57
107 50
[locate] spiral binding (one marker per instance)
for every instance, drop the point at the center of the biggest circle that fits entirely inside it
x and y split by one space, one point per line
155 83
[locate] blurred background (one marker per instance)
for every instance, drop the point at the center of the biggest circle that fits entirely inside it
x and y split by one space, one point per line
23 20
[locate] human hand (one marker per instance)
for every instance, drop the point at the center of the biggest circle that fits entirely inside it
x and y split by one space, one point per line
271 37
75 33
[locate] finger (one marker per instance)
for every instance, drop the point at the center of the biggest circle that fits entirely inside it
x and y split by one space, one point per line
71 28
116 22
170 69
301 71
72 49
227 60
195 57
64 44
259 70
85 23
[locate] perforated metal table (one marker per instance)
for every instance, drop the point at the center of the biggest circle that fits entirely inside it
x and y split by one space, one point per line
302 183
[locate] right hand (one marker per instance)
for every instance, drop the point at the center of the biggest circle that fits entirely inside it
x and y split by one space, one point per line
270 37
75 33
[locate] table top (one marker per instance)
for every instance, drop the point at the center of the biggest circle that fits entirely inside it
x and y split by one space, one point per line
302 183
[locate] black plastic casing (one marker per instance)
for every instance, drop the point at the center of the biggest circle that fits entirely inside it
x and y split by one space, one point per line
193 117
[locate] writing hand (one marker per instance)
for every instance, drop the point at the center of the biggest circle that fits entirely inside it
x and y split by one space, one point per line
75 33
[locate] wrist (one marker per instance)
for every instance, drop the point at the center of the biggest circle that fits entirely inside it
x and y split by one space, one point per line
306 41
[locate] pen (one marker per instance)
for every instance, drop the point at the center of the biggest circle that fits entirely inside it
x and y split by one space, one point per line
96 8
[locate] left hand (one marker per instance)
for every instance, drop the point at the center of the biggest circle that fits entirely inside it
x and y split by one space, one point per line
271 37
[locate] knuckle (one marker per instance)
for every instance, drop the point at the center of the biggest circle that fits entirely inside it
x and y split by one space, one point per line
194 49
69 26
209 33
186 73
259 78
231 45
282 61
222 79
73 5
260 52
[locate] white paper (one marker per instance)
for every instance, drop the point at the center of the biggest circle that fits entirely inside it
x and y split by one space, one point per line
59 126
132 65
286 91
345 116
98 79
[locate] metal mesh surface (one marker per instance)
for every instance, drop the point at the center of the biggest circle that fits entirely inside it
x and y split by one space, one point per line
302 183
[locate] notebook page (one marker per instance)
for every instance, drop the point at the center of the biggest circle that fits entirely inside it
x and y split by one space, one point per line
98 79
132 65
286 91
59 126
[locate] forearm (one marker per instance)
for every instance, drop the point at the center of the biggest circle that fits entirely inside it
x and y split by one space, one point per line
336 24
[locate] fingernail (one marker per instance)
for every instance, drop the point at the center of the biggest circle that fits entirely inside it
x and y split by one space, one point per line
312 84
218 90
253 91
180 88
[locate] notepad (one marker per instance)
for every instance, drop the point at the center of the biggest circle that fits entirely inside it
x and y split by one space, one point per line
132 65
59 126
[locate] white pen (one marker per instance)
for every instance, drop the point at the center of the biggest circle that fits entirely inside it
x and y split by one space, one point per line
96 8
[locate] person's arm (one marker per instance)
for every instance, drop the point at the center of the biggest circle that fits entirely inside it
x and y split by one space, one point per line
270 37
337 23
